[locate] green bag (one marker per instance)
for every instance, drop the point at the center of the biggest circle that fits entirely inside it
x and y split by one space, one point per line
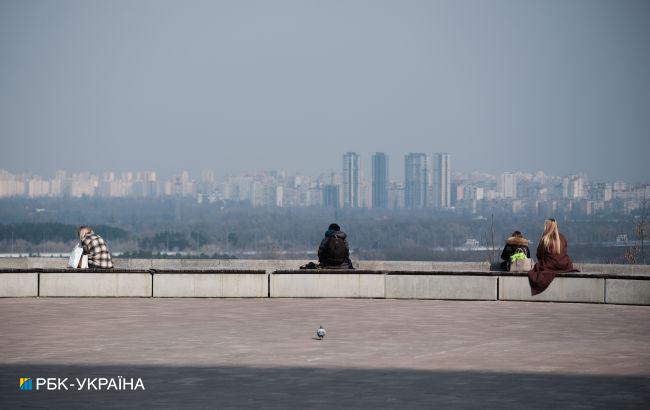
519 255
519 262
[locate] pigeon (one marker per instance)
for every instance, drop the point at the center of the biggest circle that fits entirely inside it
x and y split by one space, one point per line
320 332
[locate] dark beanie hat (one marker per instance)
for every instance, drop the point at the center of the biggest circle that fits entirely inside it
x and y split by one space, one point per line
334 227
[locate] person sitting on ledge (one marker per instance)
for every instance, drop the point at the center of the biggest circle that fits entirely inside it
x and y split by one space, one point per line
95 247
514 244
334 252
552 258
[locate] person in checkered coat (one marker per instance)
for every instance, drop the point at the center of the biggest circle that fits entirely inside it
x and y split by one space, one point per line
95 247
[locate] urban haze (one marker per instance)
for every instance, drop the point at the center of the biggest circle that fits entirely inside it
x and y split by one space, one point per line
429 129
240 86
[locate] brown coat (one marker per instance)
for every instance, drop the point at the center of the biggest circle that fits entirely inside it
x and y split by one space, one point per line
548 264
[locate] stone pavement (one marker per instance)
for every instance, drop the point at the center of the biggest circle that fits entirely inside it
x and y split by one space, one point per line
242 353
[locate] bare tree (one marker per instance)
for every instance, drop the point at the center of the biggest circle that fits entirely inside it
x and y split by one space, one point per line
489 240
636 253
641 226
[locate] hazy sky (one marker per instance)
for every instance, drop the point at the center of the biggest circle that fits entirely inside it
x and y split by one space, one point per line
558 85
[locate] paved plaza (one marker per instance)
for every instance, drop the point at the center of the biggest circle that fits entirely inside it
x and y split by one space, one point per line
262 353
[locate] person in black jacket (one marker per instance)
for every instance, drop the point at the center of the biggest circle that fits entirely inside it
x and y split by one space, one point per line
334 252
514 243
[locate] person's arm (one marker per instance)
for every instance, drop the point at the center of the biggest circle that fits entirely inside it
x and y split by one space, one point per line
85 245
321 250
347 248
505 253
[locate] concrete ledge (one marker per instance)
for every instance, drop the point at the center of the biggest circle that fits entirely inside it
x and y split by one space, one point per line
95 284
580 287
251 284
627 291
562 289
14 285
327 284
440 286
14 263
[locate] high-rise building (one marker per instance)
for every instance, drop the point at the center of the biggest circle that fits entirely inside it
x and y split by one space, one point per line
601 192
416 180
380 180
396 195
351 180
573 187
441 180
578 187
456 192
38 187
331 196
507 185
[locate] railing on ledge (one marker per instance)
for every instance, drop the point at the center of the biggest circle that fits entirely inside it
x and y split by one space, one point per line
583 287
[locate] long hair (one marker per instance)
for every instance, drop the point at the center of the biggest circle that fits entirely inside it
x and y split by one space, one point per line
551 237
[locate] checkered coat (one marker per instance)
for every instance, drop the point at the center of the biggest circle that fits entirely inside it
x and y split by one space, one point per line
98 255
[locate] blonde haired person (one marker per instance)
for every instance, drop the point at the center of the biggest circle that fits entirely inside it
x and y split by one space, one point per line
552 258
95 247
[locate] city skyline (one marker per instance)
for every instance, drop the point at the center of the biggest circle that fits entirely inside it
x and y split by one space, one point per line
360 165
430 182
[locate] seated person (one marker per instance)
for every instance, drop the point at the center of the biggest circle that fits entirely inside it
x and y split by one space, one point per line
515 243
552 258
95 247
334 252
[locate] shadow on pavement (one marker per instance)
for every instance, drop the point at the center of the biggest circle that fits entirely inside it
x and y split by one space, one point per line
248 387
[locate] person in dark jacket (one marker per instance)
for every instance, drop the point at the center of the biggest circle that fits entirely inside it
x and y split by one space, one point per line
552 258
334 252
515 243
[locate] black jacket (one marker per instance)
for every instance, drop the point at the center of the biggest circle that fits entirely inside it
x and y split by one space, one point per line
512 245
334 251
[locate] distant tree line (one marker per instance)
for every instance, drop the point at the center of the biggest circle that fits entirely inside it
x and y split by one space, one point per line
37 233
153 227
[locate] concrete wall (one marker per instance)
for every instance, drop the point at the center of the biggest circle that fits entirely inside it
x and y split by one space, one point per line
275 265
95 284
627 292
191 280
14 285
590 290
327 284
219 285
436 286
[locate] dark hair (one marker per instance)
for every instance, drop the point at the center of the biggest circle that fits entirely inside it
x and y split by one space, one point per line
517 234
334 227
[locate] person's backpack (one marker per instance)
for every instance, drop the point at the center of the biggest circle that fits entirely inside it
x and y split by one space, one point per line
335 250
519 262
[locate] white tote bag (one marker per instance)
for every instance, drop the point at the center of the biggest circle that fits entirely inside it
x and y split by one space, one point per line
76 256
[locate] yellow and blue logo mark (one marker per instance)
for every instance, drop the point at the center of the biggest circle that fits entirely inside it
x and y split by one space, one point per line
25 383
